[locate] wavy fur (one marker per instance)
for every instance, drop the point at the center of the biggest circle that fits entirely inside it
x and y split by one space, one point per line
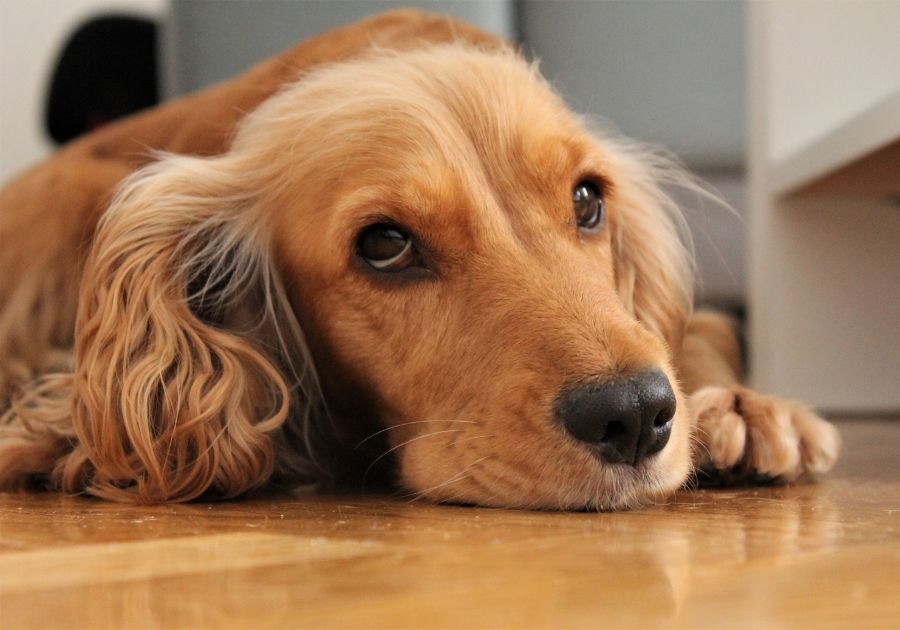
165 404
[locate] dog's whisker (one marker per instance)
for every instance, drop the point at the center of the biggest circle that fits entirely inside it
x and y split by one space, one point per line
418 494
402 444
463 474
403 424
474 437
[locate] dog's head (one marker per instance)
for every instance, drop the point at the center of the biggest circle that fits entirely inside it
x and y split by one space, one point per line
478 279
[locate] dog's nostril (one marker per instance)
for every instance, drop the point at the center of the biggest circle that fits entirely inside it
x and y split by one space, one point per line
626 419
664 417
614 431
662 427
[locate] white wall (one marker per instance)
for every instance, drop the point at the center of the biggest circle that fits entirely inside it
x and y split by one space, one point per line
824 266
834 62
31 35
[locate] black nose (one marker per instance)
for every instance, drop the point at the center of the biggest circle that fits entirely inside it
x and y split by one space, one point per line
627 419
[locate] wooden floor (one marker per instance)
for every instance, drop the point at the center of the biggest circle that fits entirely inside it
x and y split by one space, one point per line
812 555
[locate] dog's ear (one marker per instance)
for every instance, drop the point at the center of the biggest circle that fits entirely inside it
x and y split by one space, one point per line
652 264
186 348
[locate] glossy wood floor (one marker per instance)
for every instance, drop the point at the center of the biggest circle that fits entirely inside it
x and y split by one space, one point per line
813 555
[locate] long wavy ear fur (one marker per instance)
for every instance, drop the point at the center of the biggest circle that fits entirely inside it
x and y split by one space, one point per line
654 269
188 360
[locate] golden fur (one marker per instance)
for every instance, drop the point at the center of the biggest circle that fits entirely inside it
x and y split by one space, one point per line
226 332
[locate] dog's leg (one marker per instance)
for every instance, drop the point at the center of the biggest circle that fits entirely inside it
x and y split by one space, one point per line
743 435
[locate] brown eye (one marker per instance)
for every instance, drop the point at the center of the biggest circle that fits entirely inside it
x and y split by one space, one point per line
587 199
386 247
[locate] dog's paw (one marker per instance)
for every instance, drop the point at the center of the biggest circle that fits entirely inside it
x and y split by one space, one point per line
745 436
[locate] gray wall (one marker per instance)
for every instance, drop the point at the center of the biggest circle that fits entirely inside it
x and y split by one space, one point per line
670 72
211 40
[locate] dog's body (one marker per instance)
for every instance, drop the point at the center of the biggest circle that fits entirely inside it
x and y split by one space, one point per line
386 250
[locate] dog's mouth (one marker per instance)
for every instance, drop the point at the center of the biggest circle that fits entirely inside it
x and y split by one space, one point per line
549 472
618 487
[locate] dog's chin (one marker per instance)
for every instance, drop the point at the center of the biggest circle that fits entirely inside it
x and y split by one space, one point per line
584 483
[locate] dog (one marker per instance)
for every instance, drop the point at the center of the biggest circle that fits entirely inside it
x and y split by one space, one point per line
389 254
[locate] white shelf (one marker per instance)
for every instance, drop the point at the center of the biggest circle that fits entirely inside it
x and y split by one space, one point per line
824 182
861 156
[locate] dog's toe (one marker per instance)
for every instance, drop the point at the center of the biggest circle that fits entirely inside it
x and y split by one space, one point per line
820 442
746 437
721 431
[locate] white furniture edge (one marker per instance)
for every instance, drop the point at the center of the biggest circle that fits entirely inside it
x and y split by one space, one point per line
858 137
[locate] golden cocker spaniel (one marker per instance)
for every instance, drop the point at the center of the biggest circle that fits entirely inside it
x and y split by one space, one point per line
390 253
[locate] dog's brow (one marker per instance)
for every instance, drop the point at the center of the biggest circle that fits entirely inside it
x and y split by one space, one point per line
555 156
417 203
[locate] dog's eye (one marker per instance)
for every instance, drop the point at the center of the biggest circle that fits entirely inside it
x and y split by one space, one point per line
386 247
587 198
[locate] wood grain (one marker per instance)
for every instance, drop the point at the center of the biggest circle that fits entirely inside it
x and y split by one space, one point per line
808 555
